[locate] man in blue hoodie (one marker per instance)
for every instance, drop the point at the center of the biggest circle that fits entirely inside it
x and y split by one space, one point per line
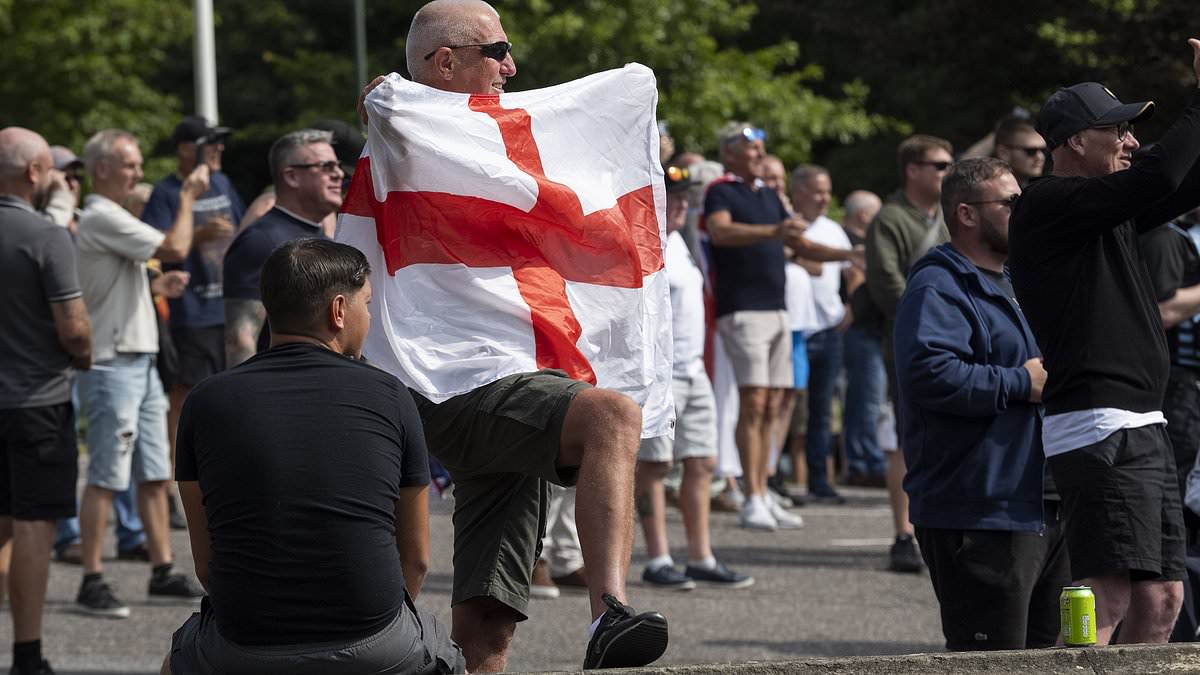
970 376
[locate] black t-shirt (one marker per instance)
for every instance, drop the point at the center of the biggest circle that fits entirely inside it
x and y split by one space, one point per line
748 277
249 250
1173 264
300 453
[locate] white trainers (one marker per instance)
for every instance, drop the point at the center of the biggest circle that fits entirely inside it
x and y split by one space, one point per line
756 514
784 519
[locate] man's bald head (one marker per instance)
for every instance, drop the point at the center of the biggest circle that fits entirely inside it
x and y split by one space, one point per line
25 163
443 23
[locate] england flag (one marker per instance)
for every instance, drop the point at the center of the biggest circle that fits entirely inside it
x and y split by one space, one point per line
513 232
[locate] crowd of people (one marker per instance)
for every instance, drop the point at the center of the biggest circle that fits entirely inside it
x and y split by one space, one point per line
999 349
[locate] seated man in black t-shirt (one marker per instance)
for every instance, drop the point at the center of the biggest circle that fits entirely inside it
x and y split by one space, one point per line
304 476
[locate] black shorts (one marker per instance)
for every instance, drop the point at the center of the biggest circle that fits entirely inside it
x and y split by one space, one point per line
201 352
997 589
1122 504
39 462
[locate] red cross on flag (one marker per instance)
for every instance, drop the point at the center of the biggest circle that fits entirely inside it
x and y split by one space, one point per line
513 232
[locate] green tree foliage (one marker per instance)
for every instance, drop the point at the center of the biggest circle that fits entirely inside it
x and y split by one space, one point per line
74 67
704 80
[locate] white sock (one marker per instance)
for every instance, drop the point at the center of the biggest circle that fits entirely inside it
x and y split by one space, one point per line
706 564
659 562
595 625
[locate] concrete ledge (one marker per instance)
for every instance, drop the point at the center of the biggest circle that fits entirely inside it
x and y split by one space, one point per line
1140 659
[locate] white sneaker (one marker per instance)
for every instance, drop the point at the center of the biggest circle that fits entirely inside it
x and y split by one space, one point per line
784 519
756 515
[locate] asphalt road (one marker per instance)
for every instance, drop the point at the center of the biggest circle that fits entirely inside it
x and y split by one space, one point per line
819 591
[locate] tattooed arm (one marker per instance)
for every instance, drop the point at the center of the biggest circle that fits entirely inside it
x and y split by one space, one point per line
244 320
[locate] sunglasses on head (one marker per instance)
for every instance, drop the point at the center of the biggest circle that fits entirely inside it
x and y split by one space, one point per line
677 174
1006 201
753 134
493 50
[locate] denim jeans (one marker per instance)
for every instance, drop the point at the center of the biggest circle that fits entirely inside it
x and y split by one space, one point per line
866 390
824 363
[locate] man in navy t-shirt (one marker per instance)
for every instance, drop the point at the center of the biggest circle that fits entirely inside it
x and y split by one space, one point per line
308 184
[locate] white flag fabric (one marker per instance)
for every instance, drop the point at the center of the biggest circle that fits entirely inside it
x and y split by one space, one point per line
513 232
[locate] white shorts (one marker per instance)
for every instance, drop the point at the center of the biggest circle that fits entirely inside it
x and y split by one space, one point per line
695 423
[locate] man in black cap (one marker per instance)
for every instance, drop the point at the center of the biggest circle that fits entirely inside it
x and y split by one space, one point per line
1083 286
198 316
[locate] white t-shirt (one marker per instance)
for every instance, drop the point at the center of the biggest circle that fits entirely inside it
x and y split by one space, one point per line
827 301
687 307
798 294
113 250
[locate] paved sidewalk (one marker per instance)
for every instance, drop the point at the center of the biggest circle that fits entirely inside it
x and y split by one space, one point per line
820 591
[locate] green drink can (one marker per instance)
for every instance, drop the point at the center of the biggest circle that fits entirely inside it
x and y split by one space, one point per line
1078 616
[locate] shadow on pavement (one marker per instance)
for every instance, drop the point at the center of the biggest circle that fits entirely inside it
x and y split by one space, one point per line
765 556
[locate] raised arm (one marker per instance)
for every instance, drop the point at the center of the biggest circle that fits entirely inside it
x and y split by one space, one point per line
178 242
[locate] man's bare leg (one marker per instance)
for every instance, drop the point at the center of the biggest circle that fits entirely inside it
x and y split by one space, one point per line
152 506
651 503
1153 609
32 541
94 508
775 426
483 627
694 503
601 434
1112 593
5 556
753 435
896 494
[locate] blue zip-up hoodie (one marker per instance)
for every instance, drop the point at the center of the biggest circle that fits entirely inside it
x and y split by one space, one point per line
971 438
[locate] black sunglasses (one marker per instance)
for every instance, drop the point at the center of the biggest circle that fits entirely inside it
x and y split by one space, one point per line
1029 150
1007 201
327 167
494 50
940 166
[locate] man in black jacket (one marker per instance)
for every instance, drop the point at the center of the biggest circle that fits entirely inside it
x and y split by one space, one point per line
1083 286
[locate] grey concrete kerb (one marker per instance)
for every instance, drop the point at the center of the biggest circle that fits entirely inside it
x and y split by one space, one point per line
1140 659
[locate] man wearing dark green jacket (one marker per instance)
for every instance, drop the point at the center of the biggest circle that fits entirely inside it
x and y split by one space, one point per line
909 224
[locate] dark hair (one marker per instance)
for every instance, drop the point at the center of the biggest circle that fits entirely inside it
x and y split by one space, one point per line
301 277
961 184
1010 126
913 149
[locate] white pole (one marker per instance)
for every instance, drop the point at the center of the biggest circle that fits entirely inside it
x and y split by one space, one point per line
205 57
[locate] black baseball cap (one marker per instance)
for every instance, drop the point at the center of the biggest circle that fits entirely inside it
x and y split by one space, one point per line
194 128
1081 106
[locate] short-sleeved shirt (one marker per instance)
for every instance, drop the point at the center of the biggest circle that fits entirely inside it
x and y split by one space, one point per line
201 304
750 277
113 250
300 454
249 250
1171 258
37 268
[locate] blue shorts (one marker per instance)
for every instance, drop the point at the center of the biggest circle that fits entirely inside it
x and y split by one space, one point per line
800 359
126 414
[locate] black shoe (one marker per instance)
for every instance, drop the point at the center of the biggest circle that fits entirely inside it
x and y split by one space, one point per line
42 669
826 495
667 578
720 575
904 556
174 588
624 639
97 599
136 554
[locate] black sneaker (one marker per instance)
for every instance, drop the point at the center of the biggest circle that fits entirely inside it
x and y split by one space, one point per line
667 578
97 599
138 553
826 495
174 588
904 556
719 575
624 639
42 669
